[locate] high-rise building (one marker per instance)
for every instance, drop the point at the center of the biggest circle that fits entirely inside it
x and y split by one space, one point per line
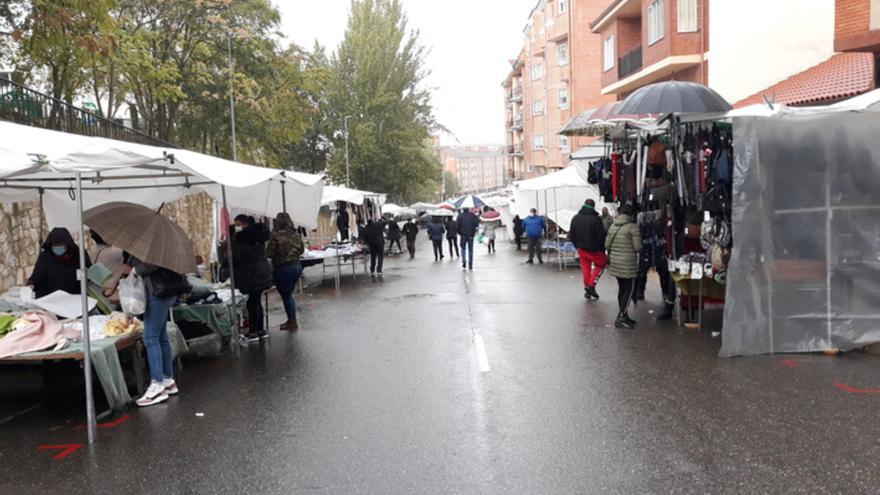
478 168
556 76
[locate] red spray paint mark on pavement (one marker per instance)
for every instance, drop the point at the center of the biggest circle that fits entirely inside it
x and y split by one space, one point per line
65 449
110 424
852 390
789 363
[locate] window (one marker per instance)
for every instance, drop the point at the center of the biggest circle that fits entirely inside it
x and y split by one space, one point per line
537 70
538 107
562 53
875 15
563 97
687 16
538 142
563 143
656 21
608 54
563 6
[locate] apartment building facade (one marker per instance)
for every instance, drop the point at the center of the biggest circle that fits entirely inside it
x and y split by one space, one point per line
555 77
477 168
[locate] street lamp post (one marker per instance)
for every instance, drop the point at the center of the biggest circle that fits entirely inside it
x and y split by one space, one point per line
347 165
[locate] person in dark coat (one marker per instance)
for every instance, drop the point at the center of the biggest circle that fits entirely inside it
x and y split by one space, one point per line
373 236
587 233
468 223
253 274
57 265
394 237
518 232
452 236
435 233
342 220
411 231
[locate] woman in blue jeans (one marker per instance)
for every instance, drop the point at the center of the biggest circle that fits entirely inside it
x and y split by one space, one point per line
159 356
285 249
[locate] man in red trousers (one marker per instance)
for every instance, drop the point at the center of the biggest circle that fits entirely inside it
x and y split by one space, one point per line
587 233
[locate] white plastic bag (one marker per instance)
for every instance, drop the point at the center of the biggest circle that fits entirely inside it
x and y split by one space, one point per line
133 295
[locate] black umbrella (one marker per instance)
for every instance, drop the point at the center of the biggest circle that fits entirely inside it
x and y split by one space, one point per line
674 97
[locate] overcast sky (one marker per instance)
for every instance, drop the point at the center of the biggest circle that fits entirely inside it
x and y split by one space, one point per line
470 43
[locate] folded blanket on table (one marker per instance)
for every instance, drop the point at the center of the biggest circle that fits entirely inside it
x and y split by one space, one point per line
34 331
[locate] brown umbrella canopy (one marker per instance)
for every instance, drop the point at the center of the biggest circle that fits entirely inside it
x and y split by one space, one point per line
146 234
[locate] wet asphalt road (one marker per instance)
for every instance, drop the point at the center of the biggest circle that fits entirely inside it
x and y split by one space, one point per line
385 390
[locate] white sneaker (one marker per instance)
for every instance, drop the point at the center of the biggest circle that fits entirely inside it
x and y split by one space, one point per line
155 394
170 386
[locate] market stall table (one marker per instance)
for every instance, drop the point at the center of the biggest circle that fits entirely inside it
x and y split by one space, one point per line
705 289
219 317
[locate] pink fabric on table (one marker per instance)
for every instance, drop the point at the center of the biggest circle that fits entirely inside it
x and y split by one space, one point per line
43 331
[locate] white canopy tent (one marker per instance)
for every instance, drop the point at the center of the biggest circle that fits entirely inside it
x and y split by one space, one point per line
69 173
332 194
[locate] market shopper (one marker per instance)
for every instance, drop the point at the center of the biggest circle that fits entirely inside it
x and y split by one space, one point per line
112 259
285 249
623 243
57 265
342 220
374 239
489 235
253 274
394 237
411 231
452 237
534 229
607 219
587 233
467 224
518 232
436 233
162 289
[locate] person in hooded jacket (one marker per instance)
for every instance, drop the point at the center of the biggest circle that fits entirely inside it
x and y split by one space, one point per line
57 265
394 237
253 274
587 233
435 233
411 231
452 237
624 242
373 236
518 232
285 249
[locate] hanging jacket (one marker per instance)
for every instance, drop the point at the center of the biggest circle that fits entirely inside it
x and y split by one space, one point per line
286 246
623 243
253 274
587 231
51 272
436 231
468 223
533 226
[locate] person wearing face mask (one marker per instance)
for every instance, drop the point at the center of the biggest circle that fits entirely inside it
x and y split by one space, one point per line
534 230
253 274
57 265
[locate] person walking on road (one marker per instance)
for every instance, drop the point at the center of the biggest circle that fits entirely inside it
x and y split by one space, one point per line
394 237
624 242
489 235
375 240
435 233
587 233
411 231
518 232
534 228
468 223
285 248
452 236
253 274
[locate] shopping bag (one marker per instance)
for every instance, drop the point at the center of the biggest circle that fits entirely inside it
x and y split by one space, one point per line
133 295
480 239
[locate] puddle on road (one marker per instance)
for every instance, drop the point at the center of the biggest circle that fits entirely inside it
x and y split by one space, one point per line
410 296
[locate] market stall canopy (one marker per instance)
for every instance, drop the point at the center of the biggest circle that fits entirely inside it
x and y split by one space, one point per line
597 121
592 151
563 217
391 209
420 207
43 161
567 188
332 194
673 97
571 176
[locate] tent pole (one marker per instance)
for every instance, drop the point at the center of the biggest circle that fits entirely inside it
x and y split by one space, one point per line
828 247
283 194
556 210
233 341
83 287
42 213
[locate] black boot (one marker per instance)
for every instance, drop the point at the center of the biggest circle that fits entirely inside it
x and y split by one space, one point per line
628 319
623 322
593 293
666 315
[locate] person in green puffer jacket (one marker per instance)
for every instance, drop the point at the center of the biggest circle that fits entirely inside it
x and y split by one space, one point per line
623 243
285 249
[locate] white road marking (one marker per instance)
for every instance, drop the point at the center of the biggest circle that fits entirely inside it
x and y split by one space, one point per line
482 357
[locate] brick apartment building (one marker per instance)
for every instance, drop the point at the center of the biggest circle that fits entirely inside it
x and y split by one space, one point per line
555 76
477 168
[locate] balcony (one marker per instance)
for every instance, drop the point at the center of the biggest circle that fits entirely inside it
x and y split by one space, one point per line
22 105
517 123
629 63
516 94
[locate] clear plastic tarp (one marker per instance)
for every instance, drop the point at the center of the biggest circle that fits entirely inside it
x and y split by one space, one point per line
804 275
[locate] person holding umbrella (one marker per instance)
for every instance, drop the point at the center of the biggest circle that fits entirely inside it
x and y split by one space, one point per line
160 252
411 231
467 224
435 233
394 237
253 274
490 221
452 236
